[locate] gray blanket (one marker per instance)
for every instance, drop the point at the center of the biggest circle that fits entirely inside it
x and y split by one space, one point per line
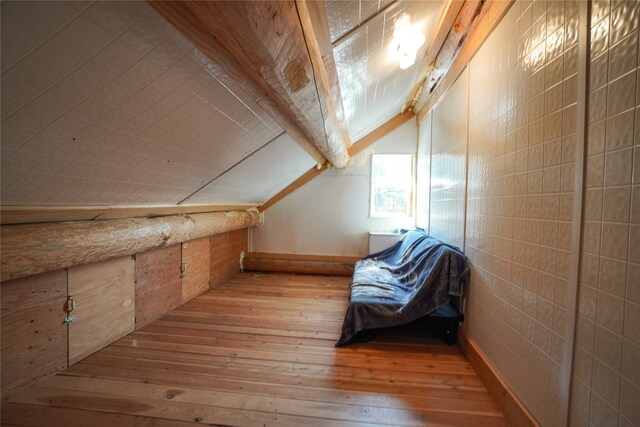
411 279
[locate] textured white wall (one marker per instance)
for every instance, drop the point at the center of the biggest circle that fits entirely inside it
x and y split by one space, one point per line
330 215
522 133
606 374
448 164
423 173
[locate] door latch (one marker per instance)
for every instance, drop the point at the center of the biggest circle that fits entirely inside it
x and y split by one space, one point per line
71 305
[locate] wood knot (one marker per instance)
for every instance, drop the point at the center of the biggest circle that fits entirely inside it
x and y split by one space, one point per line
296 75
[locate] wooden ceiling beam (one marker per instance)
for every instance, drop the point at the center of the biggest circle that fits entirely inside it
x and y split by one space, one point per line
313 17
449 15
474 24
356 148
264 48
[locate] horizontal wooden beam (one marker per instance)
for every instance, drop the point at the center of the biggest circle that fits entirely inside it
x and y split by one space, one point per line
482 23
353 150
297 263
35 248
37 214
263 48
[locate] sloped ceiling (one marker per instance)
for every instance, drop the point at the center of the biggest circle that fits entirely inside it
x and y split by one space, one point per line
373 86
106 103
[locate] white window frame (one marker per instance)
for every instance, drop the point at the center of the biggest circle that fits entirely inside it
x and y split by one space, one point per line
411 208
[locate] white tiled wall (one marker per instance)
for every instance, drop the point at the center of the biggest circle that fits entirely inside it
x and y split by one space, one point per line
522 124
330 214
423 173
523 109
448 164
606 376
105 103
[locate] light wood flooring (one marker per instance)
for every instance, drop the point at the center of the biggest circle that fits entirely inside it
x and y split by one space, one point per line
258 350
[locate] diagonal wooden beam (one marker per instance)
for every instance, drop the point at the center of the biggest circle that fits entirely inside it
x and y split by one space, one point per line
356 148
478 20
313 17
445 25
262 47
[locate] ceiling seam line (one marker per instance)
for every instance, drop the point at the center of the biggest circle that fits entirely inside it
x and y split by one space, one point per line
229 168
382 11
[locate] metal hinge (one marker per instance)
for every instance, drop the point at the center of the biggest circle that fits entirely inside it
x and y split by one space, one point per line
71 305
183 268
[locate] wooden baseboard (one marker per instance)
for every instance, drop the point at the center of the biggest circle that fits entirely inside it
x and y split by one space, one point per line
516 413
301 264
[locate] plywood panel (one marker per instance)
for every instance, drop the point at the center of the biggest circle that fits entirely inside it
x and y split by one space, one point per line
34 337
105 308
225 255
158 285
196 261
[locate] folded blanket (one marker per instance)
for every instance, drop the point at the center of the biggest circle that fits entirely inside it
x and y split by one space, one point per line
411 279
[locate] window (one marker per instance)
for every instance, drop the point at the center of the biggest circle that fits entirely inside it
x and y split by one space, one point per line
391 185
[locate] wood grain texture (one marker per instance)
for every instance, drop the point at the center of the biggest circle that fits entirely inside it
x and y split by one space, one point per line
301 264
313 19
104 294
196 260
34 248
259 350
481 27
356 148
39 214
515 412
158 287
33 335
427 62
262 46
225 255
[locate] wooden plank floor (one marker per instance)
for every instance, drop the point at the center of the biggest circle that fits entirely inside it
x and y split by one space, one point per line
258 350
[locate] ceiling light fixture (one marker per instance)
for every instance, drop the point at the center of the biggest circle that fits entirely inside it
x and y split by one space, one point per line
407 39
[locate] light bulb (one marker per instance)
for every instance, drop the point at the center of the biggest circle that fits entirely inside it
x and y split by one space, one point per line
406 42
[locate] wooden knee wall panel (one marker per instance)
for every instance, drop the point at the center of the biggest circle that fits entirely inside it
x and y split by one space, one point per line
34 337
113 297
225 255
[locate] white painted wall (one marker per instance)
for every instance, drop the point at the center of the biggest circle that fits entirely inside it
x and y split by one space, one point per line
330 215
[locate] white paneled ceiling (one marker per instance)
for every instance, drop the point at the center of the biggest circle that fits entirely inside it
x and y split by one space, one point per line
106 103
373 86
260 176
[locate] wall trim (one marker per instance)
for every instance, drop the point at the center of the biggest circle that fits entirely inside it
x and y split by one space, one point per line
298 263
515 411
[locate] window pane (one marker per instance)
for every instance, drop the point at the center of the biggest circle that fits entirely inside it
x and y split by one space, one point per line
391 184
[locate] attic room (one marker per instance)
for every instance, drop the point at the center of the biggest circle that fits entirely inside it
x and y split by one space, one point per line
320 213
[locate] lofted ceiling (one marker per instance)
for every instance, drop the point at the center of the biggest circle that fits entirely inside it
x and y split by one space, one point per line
108 103
373 87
